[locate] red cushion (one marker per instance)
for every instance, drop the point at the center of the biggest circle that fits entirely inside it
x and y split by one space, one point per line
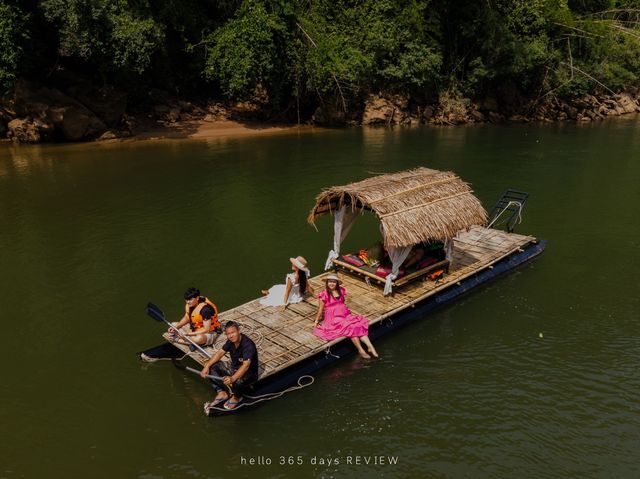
351 259
427 262
384 271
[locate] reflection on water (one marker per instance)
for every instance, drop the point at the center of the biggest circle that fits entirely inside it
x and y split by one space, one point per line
91 233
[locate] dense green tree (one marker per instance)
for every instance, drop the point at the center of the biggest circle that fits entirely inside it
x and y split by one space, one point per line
338 51
113 35
248 50
13 35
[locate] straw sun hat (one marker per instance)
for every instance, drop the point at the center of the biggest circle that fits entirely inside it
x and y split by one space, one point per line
299 263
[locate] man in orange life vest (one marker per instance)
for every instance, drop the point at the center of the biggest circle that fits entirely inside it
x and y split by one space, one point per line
202 317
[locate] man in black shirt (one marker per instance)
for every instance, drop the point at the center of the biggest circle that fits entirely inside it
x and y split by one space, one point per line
243 370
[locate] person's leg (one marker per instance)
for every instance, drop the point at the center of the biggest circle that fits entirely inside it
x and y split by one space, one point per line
370 348
210 338
200 339
241 385
361 352
414 257
222 390
239 388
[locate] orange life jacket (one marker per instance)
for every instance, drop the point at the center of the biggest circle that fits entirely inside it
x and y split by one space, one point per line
196 321
436 275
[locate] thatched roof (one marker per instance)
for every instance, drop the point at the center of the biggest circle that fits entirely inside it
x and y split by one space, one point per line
413 206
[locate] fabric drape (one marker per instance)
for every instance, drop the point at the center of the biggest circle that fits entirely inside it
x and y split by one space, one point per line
397 256
342 222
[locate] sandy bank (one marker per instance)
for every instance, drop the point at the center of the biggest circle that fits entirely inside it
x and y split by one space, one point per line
200 129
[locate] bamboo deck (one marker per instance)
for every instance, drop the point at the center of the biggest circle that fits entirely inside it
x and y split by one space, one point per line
286 337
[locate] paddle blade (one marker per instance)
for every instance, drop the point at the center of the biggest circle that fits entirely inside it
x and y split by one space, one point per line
155 312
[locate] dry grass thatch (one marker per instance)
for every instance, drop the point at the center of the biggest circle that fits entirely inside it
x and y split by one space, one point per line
413 206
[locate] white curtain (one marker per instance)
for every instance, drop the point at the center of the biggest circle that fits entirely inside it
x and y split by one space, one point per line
397 255
448 246
342 222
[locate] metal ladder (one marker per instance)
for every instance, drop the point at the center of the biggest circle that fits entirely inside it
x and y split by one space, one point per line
508 209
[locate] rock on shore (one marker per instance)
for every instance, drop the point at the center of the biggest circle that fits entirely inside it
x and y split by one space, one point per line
452 109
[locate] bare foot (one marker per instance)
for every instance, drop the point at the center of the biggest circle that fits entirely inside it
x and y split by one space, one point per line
373 352
222 396
364 355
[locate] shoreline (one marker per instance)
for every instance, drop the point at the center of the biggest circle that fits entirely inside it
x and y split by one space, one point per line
200 129
229 129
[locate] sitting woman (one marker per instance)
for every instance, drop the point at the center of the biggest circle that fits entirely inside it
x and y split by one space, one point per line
415 256
338 320
433 249
294 289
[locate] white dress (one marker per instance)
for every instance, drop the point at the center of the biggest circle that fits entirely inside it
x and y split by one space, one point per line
276 293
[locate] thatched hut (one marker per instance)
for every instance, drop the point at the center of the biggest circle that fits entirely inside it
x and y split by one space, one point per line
413 206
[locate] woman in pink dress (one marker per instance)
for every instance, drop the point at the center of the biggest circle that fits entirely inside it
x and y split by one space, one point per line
338 321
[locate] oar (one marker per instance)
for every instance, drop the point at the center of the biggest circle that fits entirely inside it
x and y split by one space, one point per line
213 377
156 313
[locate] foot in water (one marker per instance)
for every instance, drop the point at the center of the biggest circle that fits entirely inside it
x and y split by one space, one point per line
373 352
364 355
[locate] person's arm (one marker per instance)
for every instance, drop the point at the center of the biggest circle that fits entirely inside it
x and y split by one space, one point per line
217 356
287 290
177 325
206 324
239 373
320 311
310 288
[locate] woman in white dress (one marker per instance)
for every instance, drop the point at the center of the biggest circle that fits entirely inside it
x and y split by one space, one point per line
294 289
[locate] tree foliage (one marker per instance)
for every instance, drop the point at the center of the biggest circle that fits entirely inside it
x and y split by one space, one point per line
13 34
114 35
337 50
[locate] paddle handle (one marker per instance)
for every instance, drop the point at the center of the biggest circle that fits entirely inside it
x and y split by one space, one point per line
187 338
213 377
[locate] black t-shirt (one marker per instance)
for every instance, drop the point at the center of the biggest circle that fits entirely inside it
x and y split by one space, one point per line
245 350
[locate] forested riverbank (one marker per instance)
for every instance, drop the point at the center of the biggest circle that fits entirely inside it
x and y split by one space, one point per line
84 69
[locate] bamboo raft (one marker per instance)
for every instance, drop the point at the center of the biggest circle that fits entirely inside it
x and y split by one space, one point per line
285 338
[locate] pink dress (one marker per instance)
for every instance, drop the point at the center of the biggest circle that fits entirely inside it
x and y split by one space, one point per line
338 321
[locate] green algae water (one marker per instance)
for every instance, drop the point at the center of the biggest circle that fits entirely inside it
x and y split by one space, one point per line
533 375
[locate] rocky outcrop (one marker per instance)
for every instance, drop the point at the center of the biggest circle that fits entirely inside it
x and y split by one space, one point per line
585 108
389 110
453 109
105 102
27 131
46 114
74 123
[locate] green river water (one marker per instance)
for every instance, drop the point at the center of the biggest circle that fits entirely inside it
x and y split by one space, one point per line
534 375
